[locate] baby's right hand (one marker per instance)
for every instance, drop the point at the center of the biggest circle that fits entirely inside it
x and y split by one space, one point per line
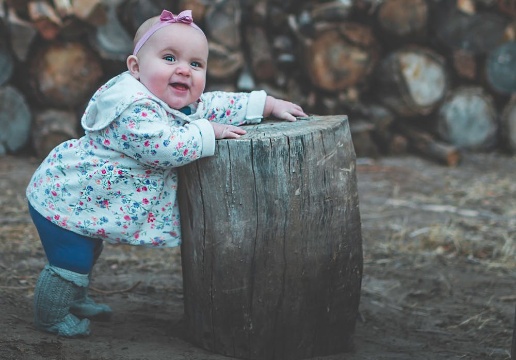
223 131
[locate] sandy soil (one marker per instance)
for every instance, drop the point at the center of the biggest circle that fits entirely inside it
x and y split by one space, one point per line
439 271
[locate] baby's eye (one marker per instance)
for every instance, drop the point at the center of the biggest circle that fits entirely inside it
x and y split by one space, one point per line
170 58
196 64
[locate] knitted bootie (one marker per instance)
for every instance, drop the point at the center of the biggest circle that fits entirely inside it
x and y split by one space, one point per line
55 291
86 307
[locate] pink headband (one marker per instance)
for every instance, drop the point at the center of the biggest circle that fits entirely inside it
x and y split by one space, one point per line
166 18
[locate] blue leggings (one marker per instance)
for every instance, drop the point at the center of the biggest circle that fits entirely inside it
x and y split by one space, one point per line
64 248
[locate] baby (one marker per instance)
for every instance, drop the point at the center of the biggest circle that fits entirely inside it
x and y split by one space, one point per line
118 182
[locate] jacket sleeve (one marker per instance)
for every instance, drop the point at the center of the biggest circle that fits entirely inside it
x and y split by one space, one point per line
234 108
148 134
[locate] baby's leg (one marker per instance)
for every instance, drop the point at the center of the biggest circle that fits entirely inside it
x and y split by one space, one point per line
86 307
55 291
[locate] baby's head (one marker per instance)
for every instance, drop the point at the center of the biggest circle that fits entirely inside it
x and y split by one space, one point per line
170 58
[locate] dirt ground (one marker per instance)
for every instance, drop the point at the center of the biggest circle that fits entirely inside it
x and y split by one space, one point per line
439 271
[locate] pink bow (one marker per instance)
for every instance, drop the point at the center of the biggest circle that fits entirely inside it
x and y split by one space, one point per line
166 18
184 17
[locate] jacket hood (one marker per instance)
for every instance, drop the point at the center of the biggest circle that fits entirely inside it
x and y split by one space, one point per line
114 97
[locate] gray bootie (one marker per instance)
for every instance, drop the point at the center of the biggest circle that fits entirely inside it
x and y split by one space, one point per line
86 307
56 290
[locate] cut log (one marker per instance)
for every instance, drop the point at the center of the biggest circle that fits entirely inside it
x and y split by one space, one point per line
260 54
92 12
44 17
224 64
64 7
465 64
111 39
51 127
223 21
363 143
21 34
64 75
271 252
411 81
198 7
426 145
509 125
132 13
331 11
382 120
476 33
501 68
508 7
403 21
341 56
468 119
6 64
15 120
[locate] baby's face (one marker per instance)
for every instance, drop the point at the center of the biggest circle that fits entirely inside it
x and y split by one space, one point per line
172 64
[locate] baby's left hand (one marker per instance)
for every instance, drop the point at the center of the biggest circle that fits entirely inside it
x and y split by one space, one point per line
282 109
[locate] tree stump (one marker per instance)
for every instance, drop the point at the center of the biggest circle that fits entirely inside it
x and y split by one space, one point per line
272 252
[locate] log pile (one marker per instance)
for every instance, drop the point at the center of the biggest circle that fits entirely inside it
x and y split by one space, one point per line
432 76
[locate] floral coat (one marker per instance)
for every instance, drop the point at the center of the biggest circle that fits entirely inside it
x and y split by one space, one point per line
119 181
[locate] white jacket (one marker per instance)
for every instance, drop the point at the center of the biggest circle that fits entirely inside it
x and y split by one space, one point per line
119 181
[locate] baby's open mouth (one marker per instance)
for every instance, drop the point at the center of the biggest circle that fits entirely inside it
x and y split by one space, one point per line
180 86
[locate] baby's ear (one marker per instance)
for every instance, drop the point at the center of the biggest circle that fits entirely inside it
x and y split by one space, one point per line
133 66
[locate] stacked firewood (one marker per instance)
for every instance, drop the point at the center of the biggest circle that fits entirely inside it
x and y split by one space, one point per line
433 76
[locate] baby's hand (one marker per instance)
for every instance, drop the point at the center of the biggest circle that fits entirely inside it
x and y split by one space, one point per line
223 131
282 109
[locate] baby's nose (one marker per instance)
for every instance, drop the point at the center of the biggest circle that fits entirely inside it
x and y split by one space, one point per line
183 69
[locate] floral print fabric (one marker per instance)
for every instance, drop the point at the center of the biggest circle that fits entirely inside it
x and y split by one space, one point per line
119 181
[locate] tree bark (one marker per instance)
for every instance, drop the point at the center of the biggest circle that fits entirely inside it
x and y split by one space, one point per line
468 119
271 252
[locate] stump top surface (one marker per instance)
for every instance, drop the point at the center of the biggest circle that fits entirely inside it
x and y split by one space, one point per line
280 128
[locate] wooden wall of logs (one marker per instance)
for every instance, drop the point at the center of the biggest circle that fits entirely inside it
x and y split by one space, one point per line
437 77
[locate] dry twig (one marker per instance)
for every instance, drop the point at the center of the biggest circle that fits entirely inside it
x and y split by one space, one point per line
111 292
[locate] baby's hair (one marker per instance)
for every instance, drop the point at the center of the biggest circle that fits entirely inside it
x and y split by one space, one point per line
147 24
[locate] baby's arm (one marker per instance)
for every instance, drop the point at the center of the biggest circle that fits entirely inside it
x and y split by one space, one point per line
247 108
223 131
282 109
